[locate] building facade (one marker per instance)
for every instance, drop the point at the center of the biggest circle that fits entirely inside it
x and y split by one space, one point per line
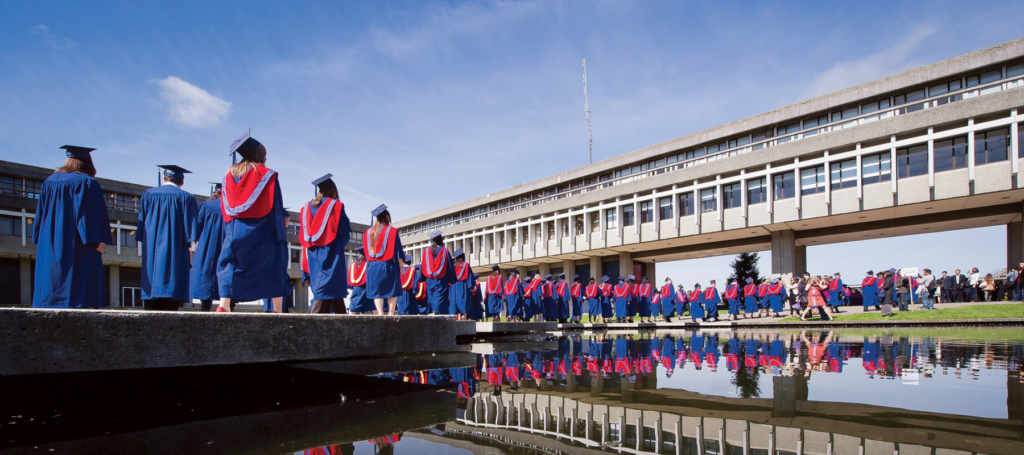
932 149
19 192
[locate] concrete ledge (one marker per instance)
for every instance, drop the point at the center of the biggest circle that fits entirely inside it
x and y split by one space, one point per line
62 341
494 328
392 364
465 328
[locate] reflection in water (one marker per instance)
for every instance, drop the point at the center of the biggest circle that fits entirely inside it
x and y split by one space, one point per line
639 394
707 393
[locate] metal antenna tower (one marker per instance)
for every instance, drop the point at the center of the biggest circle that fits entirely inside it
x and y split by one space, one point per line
586 107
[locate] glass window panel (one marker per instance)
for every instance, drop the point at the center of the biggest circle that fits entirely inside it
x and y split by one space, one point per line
990 76
757 191
708 200
812 180
991 147
912 161
876 168
646 212
686 205
783 186
627 215
869 107
1015 70
731 195
610 218
850 112
665 208
938 89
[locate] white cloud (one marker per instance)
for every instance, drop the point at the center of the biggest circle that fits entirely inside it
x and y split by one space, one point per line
190 105
55 41
887 62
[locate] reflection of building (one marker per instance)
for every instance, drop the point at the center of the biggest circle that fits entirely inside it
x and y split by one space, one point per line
680 422
19 189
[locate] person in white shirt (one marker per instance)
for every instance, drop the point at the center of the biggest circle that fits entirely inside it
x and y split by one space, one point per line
973 281
924 289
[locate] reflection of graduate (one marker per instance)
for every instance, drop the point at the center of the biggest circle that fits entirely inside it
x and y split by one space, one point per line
711 351
697 349
777 353
386 445
334 449
750 350
512 368
622 355
732 358
495 369
834 356
668 355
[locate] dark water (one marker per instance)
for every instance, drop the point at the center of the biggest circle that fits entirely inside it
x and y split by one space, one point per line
738 393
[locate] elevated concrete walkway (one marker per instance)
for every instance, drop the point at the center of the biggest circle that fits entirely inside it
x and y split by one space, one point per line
61 341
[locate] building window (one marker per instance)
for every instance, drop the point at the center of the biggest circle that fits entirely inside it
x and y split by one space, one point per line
595 222
686 205
844 174
812 180
579 225
665 208
10 225
551 229
984 78
627 215
944 87
499 238
731 195
912 161
909 97
646 212
757 191
526 235
128 239
514 234
876 168
874 106
610 220
990 147
122 202
295 255
708 202
783 186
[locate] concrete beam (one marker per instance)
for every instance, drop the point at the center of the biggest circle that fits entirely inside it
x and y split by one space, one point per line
61 341
25 276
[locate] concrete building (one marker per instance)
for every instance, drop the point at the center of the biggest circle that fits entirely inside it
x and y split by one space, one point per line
19 190
931 149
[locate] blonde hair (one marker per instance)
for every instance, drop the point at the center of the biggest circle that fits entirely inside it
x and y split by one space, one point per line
377 227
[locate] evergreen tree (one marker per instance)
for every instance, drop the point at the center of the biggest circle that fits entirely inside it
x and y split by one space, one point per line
745 266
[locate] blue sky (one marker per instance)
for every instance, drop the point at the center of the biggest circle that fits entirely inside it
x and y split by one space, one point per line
421 105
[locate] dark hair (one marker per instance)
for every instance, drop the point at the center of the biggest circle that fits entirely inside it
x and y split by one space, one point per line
327 189
439 240
214 194
174 180
77 166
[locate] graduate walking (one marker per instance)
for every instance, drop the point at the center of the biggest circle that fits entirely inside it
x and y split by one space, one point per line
606 299
210 233
696 303
668 300
576 299
254 252
437 267
643 300
711 301
869 290
324 231
166 229
749 298
460 288
623 294
71 231
562 298
593 295
494 292
385 255
514 296
358 302
732 296
410 277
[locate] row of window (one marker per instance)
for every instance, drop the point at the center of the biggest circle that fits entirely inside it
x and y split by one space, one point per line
17 186
785 133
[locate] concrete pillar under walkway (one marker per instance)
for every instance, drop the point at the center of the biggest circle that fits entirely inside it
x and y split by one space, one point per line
1014 244
787 256
625 266
114 286
25 278
544 270
595 269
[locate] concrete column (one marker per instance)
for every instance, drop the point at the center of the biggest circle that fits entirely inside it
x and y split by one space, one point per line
544 269
1014 244
301 296
115 285
625 265
25 275
787 257
652 275
788 391
595 269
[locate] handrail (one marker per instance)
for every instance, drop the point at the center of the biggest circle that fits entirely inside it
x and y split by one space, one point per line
893 111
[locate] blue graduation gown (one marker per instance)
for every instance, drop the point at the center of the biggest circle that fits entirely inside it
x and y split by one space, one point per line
577 302
594 304
835 298
475 310
514 301
750 301
287 302
621 304
870 295
562 300
358 301
776 300
407 301
606 305
711 305
328 268
167 227
459 294
643 305
71 221
734 304
254 252
668 304
383 278
697 308
210 229
438 288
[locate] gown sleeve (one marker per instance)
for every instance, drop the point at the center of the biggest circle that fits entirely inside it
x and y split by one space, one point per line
399 251
344 230
191 219
43 200
140 229
91 217
279 214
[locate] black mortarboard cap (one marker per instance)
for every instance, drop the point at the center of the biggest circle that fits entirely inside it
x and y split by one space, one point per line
359 250
407 259
244 145
622 278
458 253
547 277
80 153
696 285
575 277
605 278
561 275
377 211
434 235
172 171
321 181
215 187
495 267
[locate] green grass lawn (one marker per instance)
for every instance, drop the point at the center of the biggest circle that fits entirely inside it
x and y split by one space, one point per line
968 312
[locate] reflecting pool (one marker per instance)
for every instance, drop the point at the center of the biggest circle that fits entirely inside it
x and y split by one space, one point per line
952 391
